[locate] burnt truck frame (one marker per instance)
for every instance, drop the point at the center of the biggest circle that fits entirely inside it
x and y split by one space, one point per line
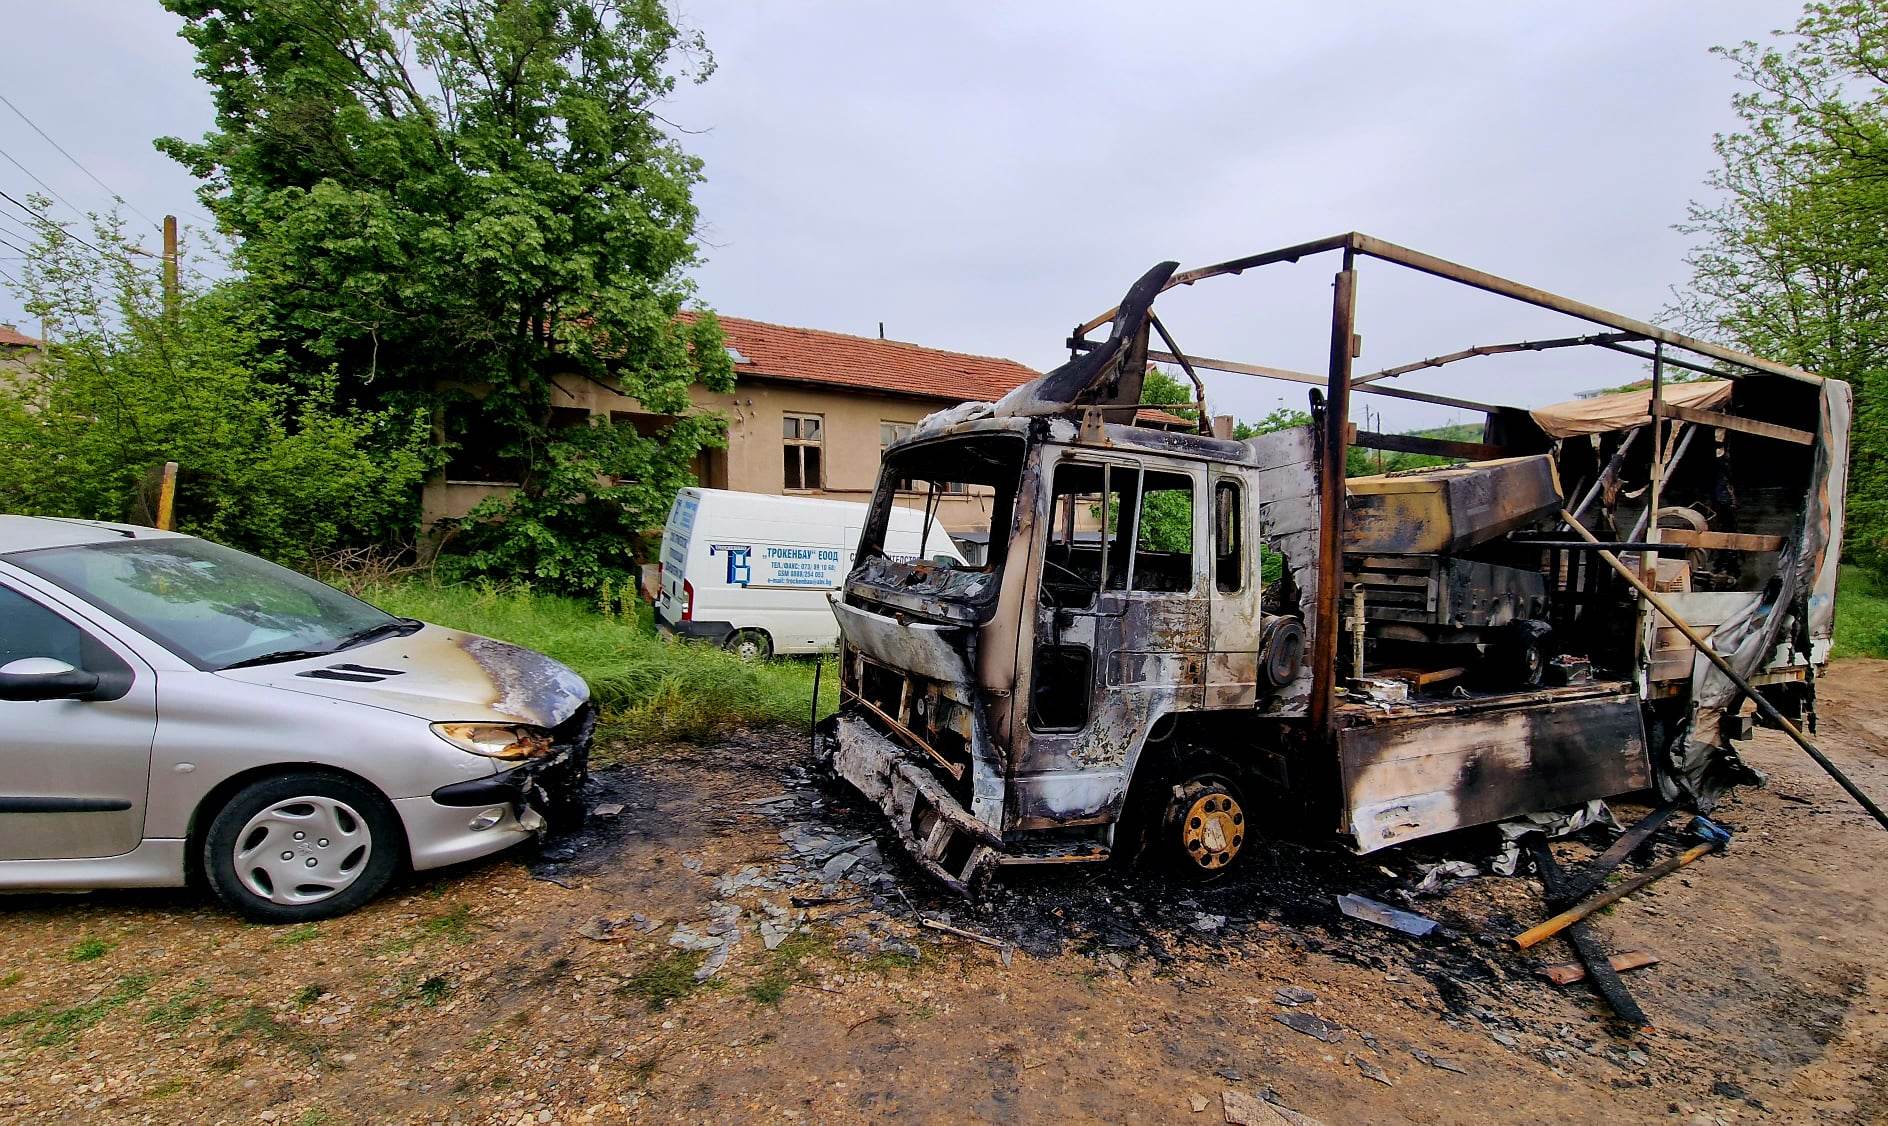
1175 675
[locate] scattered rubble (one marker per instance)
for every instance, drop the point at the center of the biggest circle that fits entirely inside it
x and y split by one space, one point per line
1310 1025
1384 915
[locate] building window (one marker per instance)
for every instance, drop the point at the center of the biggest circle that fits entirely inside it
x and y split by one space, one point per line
804 435
477 448
889 433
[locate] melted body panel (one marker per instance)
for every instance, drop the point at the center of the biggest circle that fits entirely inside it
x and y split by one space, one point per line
1427 772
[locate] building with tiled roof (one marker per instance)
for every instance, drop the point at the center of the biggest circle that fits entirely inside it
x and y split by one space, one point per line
809 415
18 351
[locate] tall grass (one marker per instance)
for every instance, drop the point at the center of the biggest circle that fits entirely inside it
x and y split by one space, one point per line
647 689
1861 614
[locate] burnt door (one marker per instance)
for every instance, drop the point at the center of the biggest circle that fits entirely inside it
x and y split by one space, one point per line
1120 628
1232 664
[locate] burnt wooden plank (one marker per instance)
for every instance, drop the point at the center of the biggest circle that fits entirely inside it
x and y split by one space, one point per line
1435 447
1720 541
1722 421
1599 967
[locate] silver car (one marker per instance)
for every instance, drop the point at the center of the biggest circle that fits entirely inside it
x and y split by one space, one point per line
171 709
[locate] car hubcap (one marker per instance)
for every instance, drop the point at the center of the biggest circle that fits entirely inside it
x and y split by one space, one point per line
1214 830
303 850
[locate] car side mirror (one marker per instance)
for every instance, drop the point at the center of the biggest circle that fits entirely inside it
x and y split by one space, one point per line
44 678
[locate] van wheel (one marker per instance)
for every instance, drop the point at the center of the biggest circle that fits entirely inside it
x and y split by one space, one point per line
750 644
1203 834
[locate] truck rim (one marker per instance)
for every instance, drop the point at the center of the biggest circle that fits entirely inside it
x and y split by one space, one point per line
1213 830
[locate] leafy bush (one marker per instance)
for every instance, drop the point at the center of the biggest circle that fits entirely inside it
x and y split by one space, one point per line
267 462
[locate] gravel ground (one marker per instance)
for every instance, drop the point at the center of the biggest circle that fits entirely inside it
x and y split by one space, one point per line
740 942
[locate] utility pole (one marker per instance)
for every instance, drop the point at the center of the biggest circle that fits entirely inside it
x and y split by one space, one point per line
170 265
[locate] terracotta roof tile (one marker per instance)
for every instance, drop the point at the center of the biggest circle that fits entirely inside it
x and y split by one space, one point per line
13 337
814 356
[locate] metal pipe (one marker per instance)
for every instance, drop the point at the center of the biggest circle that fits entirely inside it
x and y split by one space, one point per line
1684 443
1764 706
1611 472
1648 562
1671 361
1357 632
1205 423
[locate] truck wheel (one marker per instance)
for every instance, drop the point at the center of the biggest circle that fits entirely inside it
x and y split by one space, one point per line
1204 831
750 644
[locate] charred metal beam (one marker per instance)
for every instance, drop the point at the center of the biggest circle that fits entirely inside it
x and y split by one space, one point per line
1527 294
1495 350
1235 367
1199 388
1236 266
1331 499
1669 361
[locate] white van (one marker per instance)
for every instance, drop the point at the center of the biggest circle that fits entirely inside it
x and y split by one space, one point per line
751 571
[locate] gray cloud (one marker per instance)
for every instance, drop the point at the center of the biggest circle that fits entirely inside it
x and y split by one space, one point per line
982 177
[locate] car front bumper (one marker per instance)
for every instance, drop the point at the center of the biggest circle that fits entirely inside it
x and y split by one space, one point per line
466 820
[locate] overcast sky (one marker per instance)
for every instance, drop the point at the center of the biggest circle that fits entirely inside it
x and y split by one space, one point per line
982 176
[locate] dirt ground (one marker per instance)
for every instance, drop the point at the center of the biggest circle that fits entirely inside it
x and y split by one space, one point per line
558 988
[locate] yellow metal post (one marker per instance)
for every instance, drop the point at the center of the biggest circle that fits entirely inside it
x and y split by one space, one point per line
167 496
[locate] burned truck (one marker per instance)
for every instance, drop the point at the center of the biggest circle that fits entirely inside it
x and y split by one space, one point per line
1182 643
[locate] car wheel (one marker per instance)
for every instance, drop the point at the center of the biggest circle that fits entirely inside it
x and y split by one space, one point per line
750 644
301 846
1204 831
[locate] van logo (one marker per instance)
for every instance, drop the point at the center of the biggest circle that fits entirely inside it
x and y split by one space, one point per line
740 572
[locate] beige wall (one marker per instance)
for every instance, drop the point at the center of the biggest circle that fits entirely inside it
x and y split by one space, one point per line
753 461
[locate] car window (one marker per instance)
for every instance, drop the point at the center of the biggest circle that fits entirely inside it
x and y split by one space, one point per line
211 605
28 629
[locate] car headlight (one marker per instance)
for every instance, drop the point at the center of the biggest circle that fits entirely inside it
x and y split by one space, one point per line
496 740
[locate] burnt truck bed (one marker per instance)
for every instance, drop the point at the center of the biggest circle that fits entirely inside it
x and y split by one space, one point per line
1424 767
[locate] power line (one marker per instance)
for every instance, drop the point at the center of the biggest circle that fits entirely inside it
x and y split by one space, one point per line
49 188
75 161
42 218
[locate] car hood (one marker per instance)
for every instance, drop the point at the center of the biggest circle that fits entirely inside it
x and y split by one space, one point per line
436 674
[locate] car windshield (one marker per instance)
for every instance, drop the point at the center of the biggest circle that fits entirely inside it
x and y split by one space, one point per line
213 606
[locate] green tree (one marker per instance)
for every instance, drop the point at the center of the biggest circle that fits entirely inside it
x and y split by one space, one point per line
268 462
457 201
1791 258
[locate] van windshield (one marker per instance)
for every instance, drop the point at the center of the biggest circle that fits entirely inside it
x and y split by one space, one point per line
963 491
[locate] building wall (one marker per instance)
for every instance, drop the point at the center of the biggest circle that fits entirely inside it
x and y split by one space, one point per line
754 459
